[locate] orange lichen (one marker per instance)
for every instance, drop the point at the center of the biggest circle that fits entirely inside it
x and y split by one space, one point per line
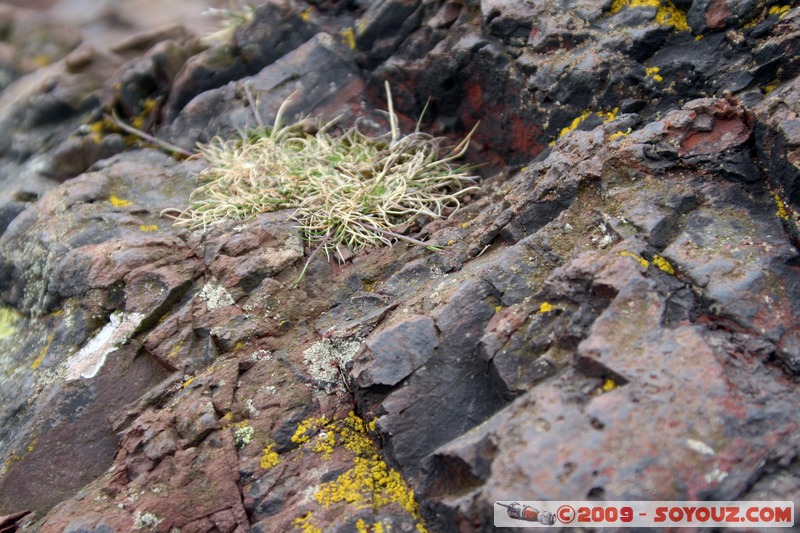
43 353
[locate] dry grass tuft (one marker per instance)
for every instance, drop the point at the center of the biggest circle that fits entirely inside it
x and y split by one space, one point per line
349 190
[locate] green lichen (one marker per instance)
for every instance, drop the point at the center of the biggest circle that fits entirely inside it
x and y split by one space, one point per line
243 433
146 520
8 322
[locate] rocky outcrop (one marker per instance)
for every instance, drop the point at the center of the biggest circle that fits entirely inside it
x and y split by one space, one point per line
614 315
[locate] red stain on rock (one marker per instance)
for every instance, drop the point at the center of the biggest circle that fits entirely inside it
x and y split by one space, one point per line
724 133
474 96
524 137
716 14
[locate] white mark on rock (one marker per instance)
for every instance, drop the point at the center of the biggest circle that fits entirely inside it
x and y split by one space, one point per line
715 475
90 359
700 447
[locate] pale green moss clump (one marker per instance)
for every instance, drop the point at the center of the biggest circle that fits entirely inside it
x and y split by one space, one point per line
349 190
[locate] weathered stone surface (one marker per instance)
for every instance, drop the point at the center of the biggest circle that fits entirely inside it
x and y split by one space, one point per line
319 75
398 351
273 32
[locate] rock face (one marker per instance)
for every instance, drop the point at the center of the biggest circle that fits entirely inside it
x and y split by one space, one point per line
614 315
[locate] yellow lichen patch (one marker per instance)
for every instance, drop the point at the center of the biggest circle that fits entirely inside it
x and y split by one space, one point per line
324 443
40 358
173 352
663 264
653 72
303 524
781 213
362 527
8 322
96 130
618 135
770 87
607 116
368 286
666 13
188 381
118 202
269 457
13 458
349 37
779 10
310 425
369 483
305 14
609 385
642 261
148 106
148 228
775 83
575 123
498 308
545 307
42 60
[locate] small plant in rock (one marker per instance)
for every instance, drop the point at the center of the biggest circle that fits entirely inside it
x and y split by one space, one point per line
230 20
348 191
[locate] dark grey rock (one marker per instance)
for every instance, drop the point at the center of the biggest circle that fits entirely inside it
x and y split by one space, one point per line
398 351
